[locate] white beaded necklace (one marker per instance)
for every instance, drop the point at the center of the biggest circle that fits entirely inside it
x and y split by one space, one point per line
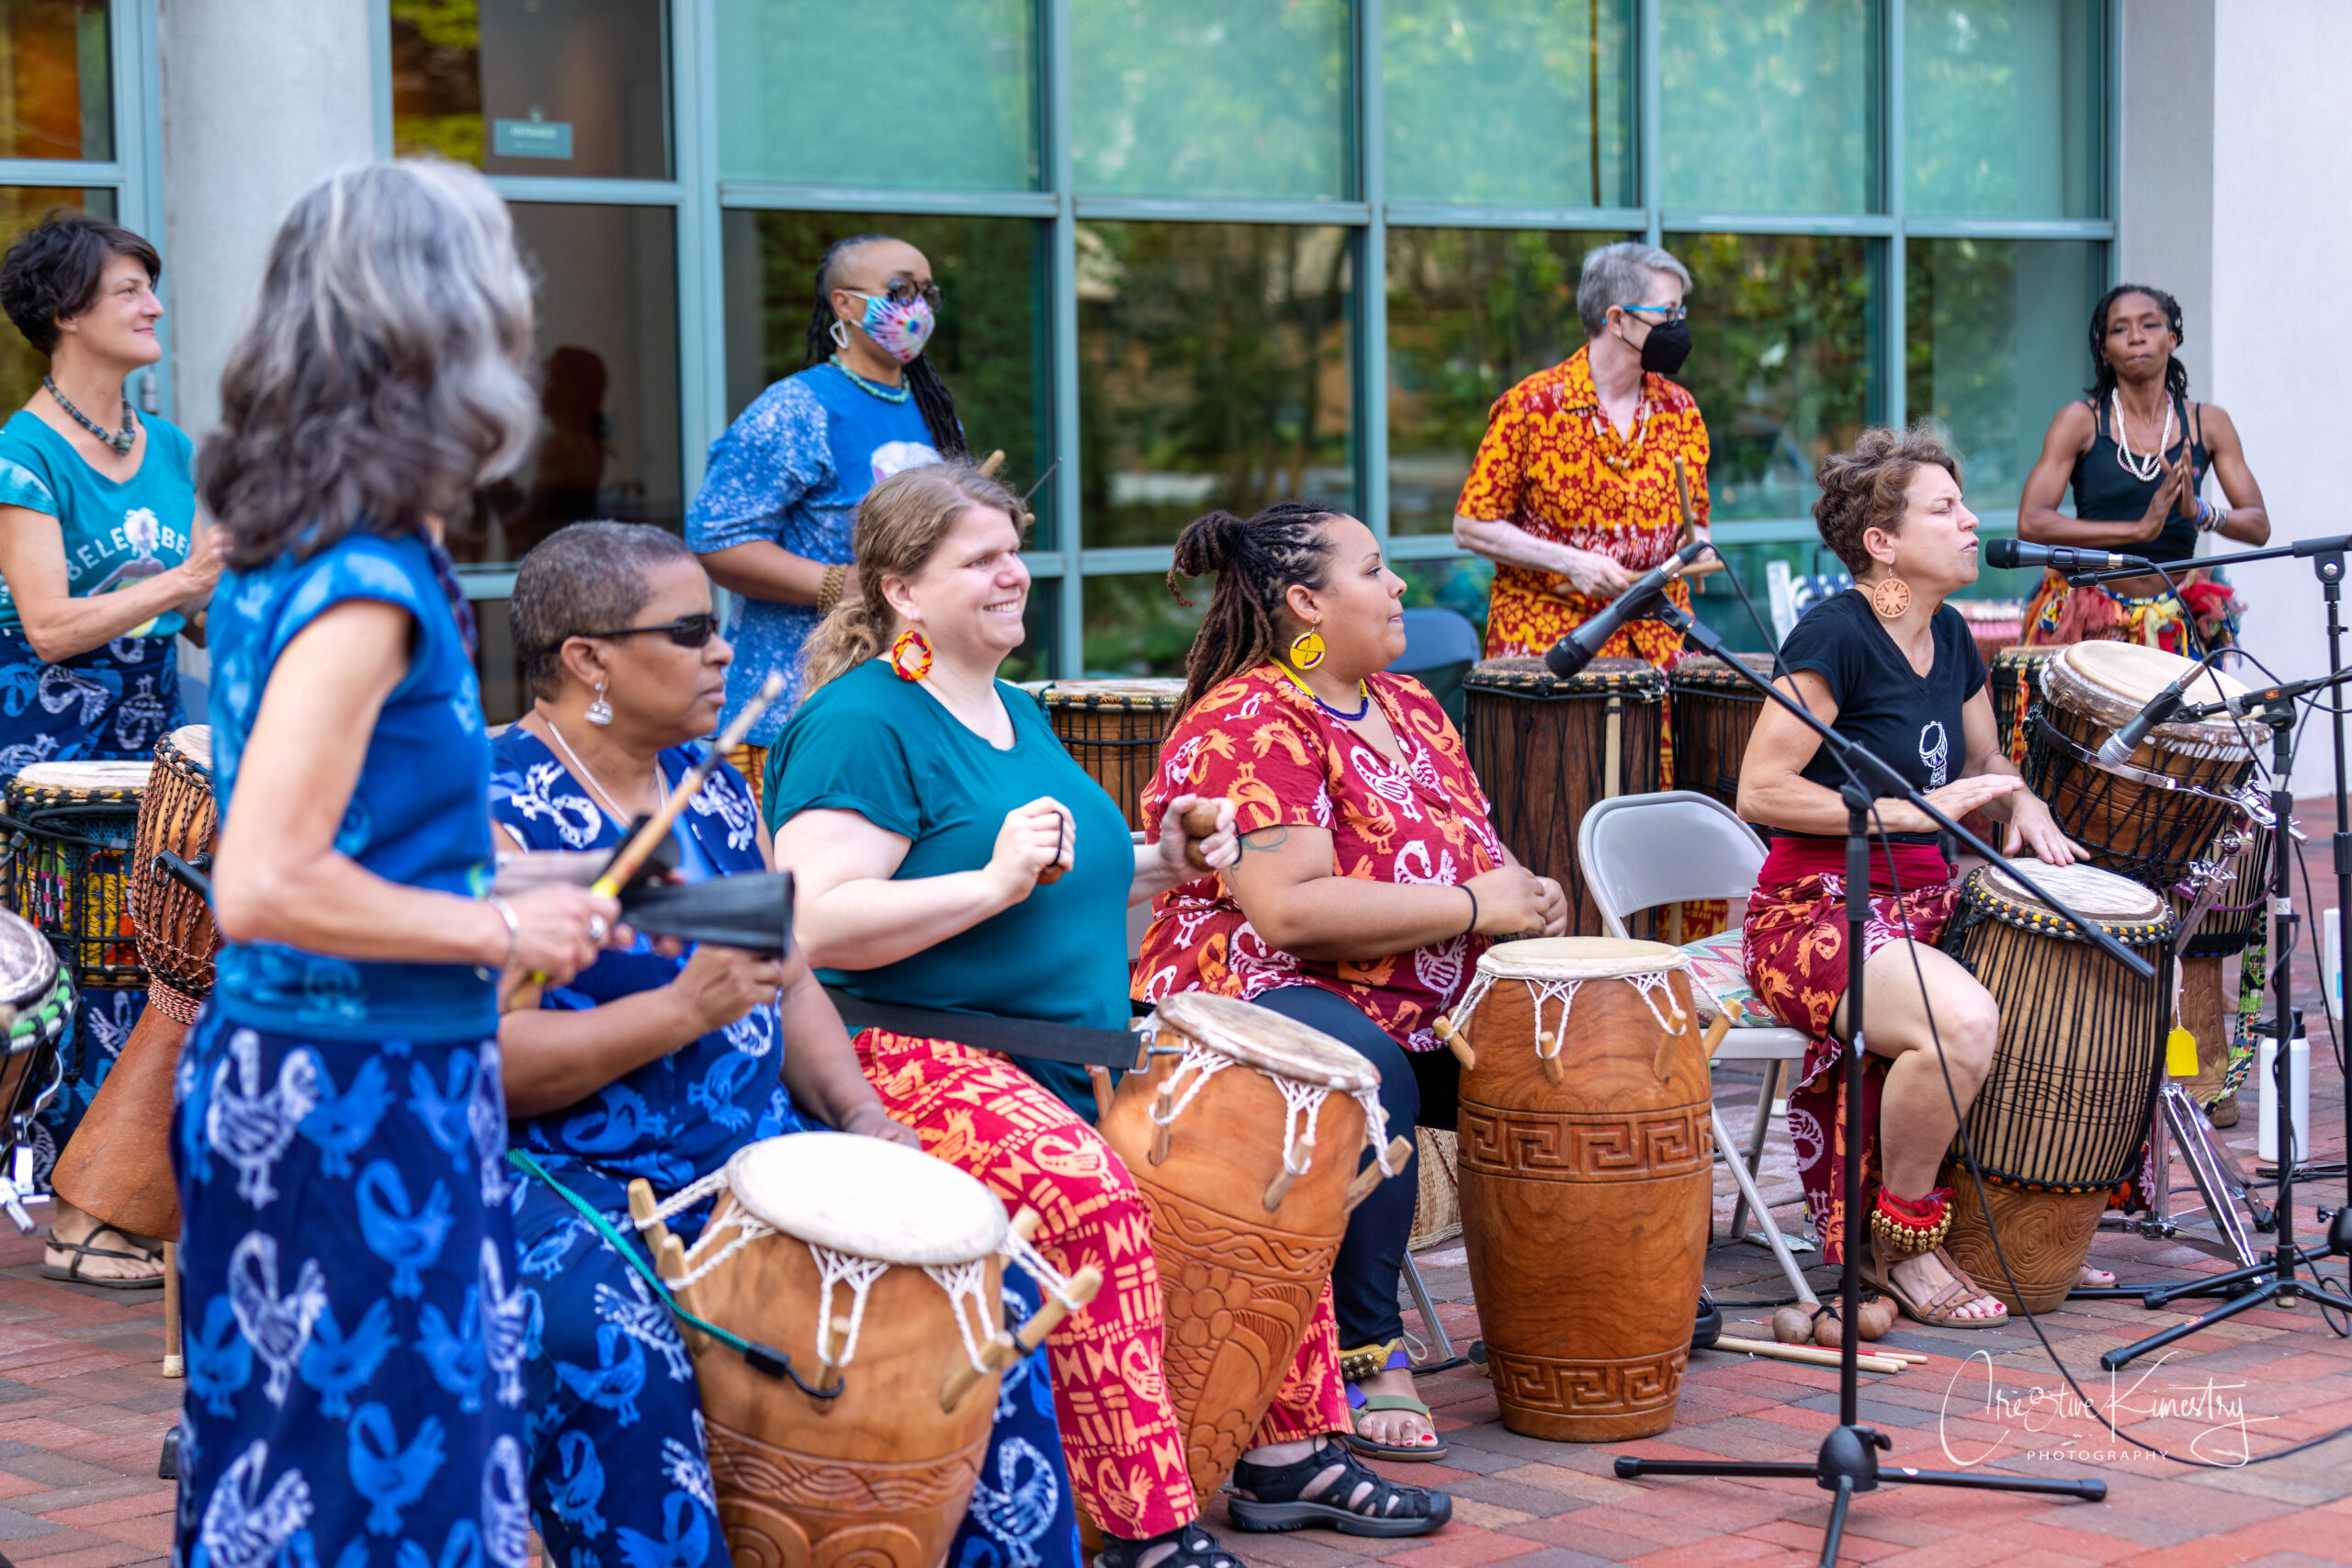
2145 470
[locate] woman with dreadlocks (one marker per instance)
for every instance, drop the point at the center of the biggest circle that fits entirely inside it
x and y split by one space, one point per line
2136 452
1370 878
772 522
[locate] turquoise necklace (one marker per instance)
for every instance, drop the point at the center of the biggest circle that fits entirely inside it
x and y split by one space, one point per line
887 394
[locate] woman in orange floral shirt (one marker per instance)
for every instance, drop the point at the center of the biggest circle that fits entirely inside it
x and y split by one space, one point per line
1370 878
1572 494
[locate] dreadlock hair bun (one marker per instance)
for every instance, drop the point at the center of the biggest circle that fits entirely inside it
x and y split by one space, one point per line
1256 563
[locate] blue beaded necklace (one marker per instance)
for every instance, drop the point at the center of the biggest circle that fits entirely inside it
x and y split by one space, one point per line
887 394
1363 690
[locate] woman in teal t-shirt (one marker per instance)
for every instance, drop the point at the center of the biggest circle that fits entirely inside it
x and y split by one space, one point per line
101 563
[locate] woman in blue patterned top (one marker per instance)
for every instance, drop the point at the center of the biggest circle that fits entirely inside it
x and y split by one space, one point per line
357 1326
779 498
662 1067
101 564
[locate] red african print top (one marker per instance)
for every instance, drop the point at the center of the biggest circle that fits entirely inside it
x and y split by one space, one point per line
1259 740
1549 465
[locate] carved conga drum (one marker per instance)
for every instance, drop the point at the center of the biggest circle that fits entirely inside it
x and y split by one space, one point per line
1244 1141
1113 729
2063 1115
895 1253
1548 748
1587 1180
1715 713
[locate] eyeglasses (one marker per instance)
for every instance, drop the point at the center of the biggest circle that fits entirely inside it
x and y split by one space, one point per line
1667 313
906 291
687 631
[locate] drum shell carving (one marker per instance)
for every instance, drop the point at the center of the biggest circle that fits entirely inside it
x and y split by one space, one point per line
880 1477
1586 1341
1240 1285
2044 1236
177 939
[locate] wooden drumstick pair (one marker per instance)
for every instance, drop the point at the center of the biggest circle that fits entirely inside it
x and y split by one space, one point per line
1200 822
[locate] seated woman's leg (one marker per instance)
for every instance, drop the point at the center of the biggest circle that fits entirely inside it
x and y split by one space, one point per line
1951 1028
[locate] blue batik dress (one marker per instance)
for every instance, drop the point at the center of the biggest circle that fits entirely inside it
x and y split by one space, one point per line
111 704
356 1327
619 1473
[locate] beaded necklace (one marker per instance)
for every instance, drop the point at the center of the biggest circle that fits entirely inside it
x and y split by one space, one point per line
2145 470
119 440
887 394
1602 430
1363 690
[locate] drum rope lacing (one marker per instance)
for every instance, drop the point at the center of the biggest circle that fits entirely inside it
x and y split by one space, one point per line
1565 992
1300 1100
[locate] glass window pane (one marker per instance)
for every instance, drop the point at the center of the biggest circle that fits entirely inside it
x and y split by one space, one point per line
2001 107
1211 98
1995 347
1471 313
1552 83
1769 105
1461 584
578 88
1134 626
55 101
809 93
1213 370
1782 364
991 346
21 207
607 355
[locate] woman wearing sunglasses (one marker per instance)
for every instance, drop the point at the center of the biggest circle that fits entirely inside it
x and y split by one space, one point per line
772 521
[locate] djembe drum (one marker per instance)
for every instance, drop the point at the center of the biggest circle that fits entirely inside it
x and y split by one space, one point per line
2152 818
35 986
2013 676
2235 915
874 1268
1587 1179
2062 1116
118 1164
1113 729
1547 750
72 825
1715 713
1244 1142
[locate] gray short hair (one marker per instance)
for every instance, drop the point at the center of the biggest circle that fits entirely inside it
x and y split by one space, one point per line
588 578
1619 275
379 376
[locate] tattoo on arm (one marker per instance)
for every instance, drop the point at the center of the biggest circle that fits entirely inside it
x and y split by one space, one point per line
1266 841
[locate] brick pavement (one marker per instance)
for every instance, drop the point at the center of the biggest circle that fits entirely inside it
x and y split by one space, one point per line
82 1409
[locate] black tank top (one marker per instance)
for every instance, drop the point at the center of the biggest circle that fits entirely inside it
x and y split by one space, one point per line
2105 492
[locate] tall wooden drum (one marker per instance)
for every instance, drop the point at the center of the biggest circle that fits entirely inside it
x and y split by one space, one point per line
2062 1117
2013 676
1587 1180
1113 729
1715 713
1244 1141
1547 750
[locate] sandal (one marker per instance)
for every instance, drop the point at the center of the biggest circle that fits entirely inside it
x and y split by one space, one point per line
70 1273
1196 1548
1354 1500
2095 1280
1369 1361
1939 1310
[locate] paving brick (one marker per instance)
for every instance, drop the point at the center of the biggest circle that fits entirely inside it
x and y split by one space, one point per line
1459 1546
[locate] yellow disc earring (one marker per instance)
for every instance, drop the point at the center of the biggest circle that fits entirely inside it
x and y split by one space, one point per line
1307 650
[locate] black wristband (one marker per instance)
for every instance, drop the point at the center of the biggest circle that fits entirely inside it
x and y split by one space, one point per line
1472 928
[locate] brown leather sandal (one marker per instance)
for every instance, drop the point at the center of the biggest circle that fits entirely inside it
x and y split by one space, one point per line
78 1251
1938 1310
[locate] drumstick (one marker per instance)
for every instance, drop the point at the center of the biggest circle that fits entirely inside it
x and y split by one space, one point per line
1682 494
642 843
1812 1356
992 462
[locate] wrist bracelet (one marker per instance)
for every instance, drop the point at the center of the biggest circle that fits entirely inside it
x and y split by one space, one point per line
514 926
1472 927
829 593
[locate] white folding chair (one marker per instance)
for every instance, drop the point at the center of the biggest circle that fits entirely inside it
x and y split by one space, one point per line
1641 851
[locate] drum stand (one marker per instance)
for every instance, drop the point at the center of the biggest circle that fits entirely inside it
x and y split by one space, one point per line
1848 1460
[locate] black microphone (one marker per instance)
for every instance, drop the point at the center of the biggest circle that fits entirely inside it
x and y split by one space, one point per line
2008 554
2118 748
1582 646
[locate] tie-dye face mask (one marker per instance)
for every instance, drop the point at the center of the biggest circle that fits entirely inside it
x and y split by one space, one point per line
899 330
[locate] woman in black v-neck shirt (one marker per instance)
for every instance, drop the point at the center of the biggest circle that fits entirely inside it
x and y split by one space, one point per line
1890 665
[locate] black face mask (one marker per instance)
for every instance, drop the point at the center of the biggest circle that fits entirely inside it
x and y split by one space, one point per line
1667 347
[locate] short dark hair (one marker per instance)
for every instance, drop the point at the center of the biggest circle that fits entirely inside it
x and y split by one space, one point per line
52 274
1869 486
589 576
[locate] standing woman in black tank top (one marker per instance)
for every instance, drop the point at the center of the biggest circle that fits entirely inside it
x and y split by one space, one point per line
2135 452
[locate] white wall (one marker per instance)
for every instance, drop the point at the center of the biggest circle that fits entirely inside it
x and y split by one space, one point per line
260 98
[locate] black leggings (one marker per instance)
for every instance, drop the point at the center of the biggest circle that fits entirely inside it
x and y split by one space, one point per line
1417 1089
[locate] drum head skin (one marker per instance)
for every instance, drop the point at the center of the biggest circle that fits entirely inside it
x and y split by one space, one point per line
1261 1038
28 963
2111 681
1580 958
102 777
193 742
868 1198
1533 677
2101 895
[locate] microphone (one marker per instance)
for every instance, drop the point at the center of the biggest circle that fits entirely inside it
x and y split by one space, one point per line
2118 748
1580 646
2008 554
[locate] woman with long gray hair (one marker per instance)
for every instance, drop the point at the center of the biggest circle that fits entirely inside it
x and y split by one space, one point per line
358 1327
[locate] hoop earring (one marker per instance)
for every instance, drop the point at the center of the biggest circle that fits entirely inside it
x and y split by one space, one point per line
600 712
1891 597
1307 650
841 334
911 656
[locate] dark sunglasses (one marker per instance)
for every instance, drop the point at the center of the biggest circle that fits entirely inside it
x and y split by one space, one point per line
906 291
687 631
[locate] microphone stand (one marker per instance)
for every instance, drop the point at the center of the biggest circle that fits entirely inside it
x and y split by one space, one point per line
1848 1460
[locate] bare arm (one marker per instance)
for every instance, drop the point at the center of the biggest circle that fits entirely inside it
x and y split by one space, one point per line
762 570
60 626
278 878
1291 892
851 915
1160 864
1773 792
2039 520
2249 521
820 1066
1508 544
2030 825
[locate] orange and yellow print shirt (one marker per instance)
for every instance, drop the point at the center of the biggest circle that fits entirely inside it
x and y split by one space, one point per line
1546 466
1260 741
